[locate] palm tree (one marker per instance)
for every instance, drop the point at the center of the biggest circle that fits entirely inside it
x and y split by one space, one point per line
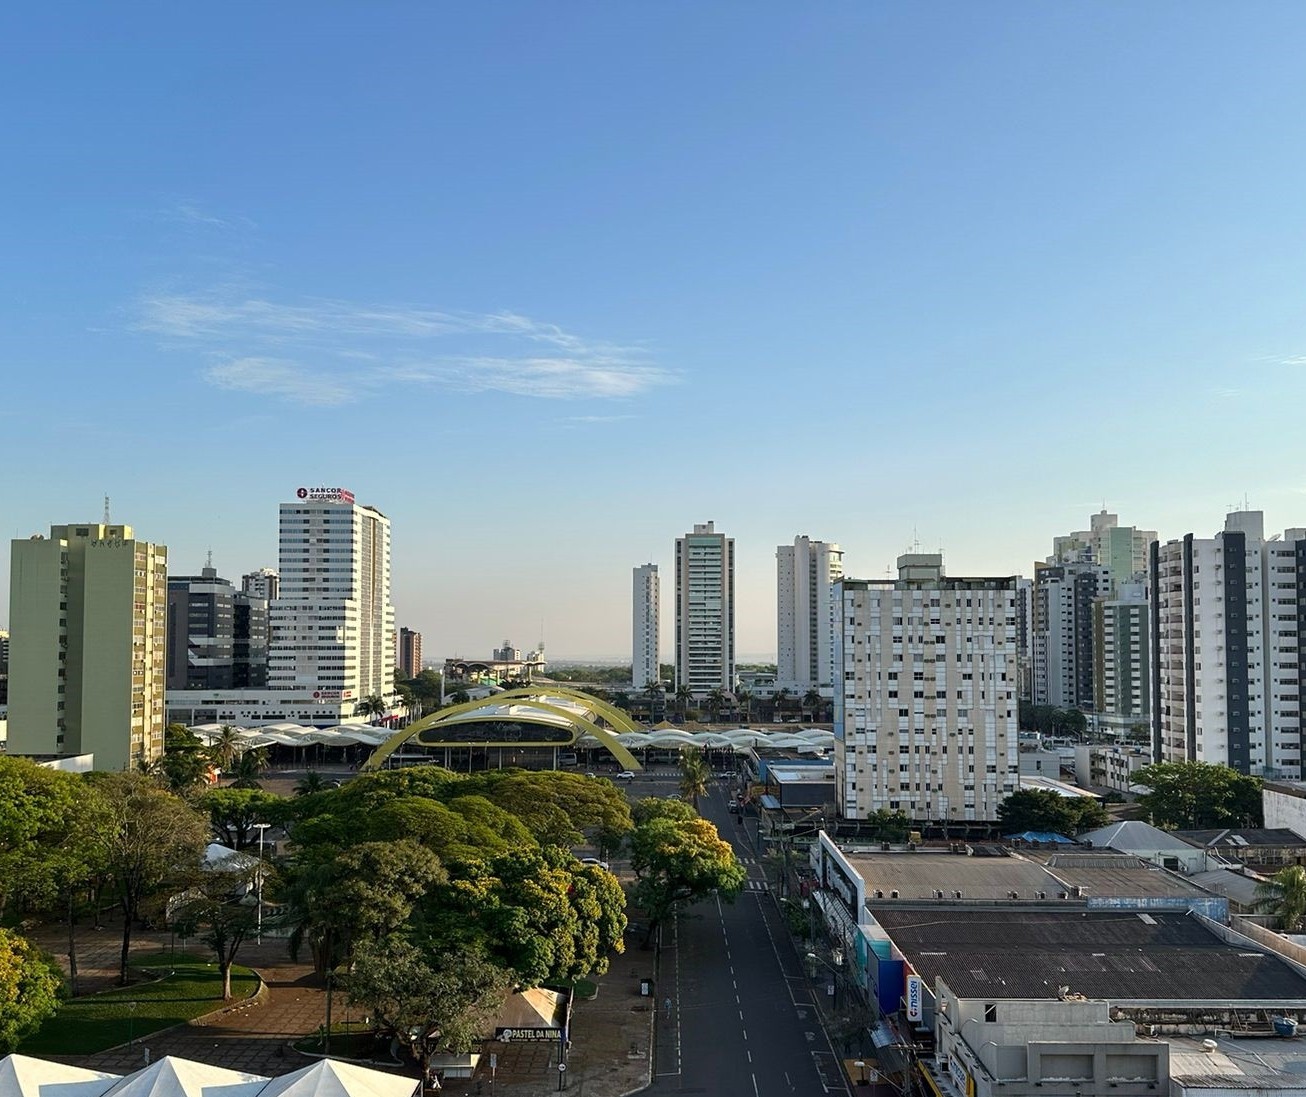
683 696
656 700
693 776
1284 895
311 782
226 747
716 701
373 707
744 702
812 701
781 700
251 765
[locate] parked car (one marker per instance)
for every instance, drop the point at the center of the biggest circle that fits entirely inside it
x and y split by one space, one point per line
595 861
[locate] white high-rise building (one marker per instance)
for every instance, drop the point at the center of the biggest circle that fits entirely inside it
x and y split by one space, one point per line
264 583
705 610
1062 650
645 595
1121 680
807 616
333 626
1228 614
925 716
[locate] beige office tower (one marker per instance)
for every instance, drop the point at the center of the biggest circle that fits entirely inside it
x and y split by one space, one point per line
925 718
87 610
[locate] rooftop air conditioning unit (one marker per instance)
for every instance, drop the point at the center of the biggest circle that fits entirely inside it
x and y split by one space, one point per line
1013 895
879 894
893 895
956 894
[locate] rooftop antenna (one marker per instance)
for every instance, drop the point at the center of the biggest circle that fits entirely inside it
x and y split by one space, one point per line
915 540
208 560
106 510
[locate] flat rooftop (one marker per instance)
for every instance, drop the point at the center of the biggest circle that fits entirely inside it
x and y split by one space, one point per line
1127 958
919 874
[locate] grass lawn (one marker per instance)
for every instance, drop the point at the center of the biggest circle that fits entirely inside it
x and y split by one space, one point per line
183 986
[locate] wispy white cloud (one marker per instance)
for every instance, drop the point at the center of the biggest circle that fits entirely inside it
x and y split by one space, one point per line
191 213
359 348
597 418
274 377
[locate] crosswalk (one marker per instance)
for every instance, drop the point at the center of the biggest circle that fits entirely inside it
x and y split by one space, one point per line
758 885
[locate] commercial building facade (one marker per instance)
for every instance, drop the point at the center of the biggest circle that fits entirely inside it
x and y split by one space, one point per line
705 610
645 599
807 617
217 635
925 716
87 650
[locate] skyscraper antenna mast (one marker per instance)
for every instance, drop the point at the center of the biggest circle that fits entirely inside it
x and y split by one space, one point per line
106 510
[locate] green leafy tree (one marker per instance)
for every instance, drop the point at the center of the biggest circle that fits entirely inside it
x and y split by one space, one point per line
1199 795
221 909
538 913
233 812
30 988
429 1001
780 702
367 892
693 776
656 697
679 859
1284 896
35 808
151 839
49 823
1044 810
186 763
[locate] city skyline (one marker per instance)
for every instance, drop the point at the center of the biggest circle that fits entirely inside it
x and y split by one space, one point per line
1014 264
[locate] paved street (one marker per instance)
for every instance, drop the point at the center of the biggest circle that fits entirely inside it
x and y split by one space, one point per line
742 1021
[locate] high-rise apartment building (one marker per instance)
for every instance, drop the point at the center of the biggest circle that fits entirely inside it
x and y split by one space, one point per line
1121 668
1122 550
1062 650
217 635
333 632
410 653
807 616
1228 614
88 633
705 610
264 583
645 598
4 666
925 716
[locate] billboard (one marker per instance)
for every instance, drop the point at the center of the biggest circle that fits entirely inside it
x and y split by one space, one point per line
324 495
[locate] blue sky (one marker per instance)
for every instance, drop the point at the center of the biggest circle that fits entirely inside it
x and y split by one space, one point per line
549 283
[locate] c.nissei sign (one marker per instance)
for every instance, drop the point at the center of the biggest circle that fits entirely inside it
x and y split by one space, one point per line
324 495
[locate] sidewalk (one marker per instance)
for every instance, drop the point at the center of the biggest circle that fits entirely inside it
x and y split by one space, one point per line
610 1055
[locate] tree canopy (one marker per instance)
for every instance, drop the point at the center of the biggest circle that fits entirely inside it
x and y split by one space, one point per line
1199 795
1041 809
1284 896
30 986
679 859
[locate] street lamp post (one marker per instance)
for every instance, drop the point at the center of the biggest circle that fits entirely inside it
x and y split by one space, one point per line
835 966
258 880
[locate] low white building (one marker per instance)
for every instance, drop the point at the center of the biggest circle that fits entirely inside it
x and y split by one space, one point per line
1110 767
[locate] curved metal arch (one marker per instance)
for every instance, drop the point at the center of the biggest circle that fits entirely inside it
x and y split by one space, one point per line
579 723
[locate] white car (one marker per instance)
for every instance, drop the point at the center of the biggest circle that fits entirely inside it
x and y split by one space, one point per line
626 775
594 861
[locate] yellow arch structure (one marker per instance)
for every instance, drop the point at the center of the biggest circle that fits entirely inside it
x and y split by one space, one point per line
579 724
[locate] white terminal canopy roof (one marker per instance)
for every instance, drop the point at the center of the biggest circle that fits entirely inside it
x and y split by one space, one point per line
22 1076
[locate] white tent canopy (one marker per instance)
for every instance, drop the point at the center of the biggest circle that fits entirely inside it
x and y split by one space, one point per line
22 1076
27 1077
